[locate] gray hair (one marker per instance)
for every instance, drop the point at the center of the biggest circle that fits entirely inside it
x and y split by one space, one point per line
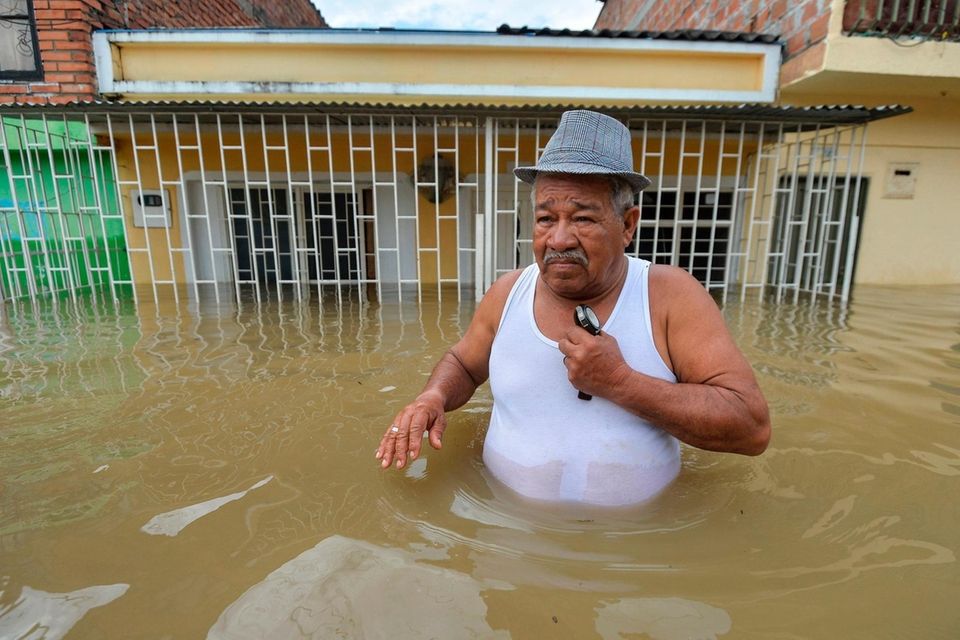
622 195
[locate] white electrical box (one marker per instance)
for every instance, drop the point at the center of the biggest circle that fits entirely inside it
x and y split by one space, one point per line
901 180
151 208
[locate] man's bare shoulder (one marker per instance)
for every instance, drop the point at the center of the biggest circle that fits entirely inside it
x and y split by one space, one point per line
673 292
670 280
504 283
473 349
494 300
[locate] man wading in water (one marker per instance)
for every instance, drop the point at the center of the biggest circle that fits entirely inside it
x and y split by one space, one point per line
662 367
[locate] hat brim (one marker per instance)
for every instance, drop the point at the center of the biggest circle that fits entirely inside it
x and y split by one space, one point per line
638 181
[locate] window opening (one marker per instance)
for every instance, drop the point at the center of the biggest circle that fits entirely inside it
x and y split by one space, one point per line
697 240
19 51
264 248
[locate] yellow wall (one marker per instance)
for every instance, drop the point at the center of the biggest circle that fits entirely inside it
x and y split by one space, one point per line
150 255
476 67
910 241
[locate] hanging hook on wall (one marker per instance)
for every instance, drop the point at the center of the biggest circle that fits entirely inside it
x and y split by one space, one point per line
437 176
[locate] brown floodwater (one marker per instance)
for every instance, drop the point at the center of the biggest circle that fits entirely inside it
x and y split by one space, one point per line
201 472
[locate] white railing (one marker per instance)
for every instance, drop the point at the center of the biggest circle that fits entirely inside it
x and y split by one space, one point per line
928 19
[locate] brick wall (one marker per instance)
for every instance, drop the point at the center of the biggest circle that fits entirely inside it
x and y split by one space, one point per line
64 29
800 23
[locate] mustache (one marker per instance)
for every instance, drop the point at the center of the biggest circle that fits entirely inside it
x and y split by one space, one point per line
576 255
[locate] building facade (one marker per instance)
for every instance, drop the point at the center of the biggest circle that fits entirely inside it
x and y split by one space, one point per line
868 52
286 164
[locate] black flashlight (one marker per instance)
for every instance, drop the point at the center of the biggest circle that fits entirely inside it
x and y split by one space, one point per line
586 319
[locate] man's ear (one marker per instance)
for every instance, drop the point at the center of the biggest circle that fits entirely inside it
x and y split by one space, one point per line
630 219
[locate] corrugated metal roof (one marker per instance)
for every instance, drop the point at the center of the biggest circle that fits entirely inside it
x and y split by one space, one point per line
693 35
809 116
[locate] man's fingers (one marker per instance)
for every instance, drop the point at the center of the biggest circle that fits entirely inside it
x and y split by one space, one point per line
403 436
403 441
387 446
420 423
436 432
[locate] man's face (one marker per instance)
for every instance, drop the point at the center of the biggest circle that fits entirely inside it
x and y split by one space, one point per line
578 239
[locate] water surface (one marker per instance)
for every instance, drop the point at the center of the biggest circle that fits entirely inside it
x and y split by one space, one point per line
185 472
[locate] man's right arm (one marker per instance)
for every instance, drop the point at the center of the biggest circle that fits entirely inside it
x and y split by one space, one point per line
455 378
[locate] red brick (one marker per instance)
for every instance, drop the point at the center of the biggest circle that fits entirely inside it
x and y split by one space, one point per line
64 4
796 43
74 66
49 14
49 34
59 77
72 45
778 9
818 30
56 56
763 19
76 88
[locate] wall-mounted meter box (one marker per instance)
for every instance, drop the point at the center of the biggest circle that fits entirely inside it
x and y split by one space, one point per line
901 180
151 208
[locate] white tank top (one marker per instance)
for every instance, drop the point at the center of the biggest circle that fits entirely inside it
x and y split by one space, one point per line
543 441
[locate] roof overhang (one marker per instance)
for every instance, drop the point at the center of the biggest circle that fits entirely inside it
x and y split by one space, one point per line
747 117
414 67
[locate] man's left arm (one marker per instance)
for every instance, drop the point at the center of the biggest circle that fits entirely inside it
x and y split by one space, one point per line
715 404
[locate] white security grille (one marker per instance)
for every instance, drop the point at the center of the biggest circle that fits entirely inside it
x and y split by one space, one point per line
61 229
803 210
252 206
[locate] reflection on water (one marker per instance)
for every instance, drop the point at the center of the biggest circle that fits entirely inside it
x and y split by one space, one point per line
344 588
173 522
38 614
661 619
242 438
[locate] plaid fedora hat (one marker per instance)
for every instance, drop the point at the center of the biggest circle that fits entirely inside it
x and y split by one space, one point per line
587 142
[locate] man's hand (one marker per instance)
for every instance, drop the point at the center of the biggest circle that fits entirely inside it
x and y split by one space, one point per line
594 364
404 437
456 376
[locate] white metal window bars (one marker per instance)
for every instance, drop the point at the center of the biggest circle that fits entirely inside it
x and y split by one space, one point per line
805 211
60 201
743 205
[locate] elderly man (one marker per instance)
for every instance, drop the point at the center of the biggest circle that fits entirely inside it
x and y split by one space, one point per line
662 369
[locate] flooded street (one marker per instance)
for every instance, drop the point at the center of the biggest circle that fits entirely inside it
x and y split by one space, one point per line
195 472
